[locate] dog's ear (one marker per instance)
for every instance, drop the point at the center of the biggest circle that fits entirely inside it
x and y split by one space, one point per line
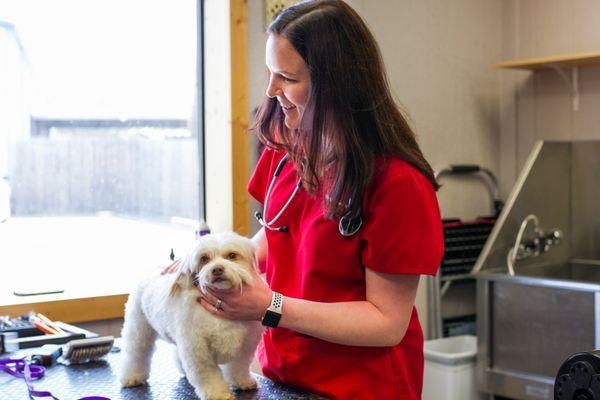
175 285
248 249
183 277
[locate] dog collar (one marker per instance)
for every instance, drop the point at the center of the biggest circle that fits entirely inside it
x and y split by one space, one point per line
273 314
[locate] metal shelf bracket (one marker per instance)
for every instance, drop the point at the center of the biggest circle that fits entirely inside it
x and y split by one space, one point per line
572 83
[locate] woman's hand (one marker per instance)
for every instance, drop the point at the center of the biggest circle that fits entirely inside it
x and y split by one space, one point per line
248 304
171 268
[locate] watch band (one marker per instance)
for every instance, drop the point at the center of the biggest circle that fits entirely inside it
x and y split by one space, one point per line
273 313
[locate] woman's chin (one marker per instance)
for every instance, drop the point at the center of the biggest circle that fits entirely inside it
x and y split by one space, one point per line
291 122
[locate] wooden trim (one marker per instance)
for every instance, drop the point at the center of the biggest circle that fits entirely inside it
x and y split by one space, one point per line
239 114
564 60
73 310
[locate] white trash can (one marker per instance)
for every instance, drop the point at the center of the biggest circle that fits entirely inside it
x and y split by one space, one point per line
450 369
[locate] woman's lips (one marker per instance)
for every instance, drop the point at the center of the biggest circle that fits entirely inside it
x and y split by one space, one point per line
287 108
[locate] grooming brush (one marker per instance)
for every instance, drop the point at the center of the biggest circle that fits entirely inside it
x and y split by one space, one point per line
84 350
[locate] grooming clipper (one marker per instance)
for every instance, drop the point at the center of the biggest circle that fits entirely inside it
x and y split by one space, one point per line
85 350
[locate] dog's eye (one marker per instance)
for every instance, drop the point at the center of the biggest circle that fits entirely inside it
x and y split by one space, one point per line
232 256
204 259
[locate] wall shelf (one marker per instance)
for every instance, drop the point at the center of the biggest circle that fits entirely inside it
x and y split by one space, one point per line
562 65
560 61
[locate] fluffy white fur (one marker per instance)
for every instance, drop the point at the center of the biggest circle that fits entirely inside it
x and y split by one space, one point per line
212 352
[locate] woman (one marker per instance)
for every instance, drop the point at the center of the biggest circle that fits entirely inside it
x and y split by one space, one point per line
347 328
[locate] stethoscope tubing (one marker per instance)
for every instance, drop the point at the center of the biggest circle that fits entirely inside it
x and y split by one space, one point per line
347 226
269 224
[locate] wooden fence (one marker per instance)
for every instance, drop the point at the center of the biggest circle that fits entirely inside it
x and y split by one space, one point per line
155 178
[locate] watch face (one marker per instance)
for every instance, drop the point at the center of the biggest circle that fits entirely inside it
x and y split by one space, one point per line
271 319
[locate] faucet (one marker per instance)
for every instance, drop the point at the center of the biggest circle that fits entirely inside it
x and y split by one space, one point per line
531 247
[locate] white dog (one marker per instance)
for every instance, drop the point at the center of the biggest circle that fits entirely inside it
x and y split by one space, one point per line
167 306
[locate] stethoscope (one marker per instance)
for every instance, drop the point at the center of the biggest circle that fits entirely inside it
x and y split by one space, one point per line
347 226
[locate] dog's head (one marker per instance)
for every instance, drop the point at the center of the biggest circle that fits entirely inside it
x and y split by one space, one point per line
221 261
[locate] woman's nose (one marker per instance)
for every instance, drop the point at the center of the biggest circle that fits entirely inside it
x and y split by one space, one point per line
272 88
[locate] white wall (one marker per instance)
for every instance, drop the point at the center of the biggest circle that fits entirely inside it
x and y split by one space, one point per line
217 95
537 105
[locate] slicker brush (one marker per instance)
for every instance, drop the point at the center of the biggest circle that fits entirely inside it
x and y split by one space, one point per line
85 350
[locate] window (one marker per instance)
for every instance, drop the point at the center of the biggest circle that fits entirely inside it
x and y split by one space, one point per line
100 163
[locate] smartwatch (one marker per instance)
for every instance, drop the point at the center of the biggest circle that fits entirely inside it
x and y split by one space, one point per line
273 314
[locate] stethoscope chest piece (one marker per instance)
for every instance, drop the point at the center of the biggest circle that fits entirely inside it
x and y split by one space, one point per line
349 225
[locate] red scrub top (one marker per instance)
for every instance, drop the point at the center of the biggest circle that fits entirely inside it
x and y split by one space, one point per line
401 234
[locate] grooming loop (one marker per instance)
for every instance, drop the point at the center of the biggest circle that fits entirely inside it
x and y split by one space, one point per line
23 369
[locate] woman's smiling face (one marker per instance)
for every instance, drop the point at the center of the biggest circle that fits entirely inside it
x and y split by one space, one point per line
289 79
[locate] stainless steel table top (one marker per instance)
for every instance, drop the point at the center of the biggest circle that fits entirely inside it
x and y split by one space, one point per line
100 379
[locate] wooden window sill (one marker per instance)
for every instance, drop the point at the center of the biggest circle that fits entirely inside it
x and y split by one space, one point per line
67 307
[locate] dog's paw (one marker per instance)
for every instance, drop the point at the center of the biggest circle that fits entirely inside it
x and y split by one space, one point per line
246 384
133 379
216 395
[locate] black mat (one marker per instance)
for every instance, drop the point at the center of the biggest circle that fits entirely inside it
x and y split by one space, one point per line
100 379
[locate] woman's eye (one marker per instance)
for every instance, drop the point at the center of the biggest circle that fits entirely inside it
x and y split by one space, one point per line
232 256
287 80
204 259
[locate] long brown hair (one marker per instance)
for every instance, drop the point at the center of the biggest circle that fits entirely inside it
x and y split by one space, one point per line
350 117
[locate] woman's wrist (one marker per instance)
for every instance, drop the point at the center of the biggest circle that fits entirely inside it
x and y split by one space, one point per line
274 310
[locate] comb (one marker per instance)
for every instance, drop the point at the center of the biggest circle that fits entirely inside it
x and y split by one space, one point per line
80 351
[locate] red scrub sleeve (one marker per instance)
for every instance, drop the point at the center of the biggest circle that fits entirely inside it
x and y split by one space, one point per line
403 227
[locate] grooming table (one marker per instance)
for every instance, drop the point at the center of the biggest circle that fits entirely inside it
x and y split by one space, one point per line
100 379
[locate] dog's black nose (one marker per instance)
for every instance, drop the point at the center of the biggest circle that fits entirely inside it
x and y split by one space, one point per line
218 271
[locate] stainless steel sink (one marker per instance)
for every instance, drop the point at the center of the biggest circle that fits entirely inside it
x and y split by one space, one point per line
572 271
573 274
528 324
